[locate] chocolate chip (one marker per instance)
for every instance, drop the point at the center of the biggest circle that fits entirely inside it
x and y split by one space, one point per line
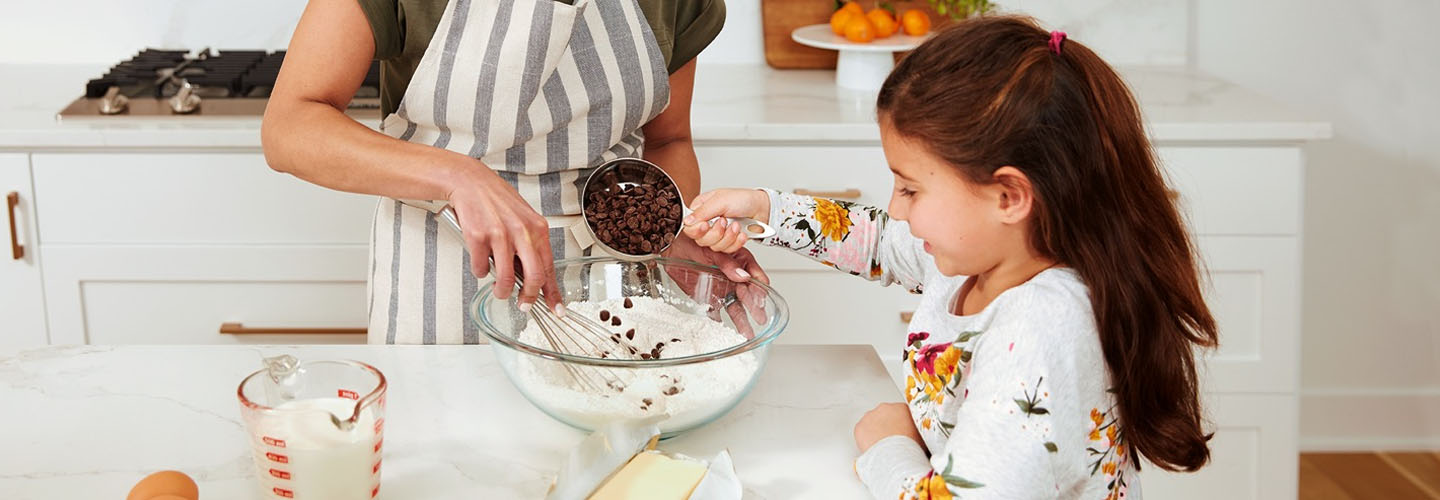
672 391
672 341
659 345
644 355
615 337
604 315
630 334
647 401
629 303
615 321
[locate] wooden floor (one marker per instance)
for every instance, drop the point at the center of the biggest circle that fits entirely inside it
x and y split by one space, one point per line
1364 476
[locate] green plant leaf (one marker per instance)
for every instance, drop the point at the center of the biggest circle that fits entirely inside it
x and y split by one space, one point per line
960 482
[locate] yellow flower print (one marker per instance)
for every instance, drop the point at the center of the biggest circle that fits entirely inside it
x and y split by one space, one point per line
1110 433
909 386
1108 468
834 219
1095 435
925 422
945 364
933 488
1097 417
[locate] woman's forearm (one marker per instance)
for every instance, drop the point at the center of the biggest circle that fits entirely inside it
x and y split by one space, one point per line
317 142
677 158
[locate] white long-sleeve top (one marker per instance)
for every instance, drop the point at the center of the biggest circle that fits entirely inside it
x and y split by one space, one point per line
1011 402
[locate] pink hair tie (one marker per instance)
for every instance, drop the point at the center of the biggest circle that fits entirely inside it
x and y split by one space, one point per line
1056 38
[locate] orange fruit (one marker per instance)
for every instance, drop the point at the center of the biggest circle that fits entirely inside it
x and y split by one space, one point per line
885 25
915 22
854 7
859 29
838 20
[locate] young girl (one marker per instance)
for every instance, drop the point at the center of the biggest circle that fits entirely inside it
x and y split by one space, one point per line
1053 344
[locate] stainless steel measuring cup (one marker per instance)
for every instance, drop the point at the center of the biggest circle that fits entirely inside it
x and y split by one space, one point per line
619 174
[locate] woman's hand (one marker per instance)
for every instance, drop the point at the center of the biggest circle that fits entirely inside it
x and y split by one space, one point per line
722 235
887 419
498 223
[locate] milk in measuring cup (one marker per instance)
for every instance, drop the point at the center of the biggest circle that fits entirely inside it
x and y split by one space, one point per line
321 461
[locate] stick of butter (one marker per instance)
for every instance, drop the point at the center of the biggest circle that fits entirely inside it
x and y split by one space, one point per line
652 476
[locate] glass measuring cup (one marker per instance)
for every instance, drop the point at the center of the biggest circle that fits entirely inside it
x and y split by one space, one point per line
614 177
315 428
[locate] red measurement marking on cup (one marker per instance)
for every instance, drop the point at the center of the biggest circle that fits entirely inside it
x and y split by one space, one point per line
376 468
377 445
375 491
379 424
277 458
348 394
278 443
285 493
280 473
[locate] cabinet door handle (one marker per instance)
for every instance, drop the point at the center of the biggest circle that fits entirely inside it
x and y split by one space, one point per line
12 200
241 329
907 316
844 194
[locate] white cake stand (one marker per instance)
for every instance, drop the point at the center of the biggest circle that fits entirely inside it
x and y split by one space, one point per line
862 66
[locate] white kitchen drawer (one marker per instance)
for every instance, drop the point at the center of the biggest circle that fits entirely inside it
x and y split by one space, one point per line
181 295
825 169
1237 190
1253 454
1254 294
192 198
1223 190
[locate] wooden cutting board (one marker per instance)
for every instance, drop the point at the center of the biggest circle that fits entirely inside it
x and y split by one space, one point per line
781 17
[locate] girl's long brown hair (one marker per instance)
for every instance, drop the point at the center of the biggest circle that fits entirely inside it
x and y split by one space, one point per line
990 92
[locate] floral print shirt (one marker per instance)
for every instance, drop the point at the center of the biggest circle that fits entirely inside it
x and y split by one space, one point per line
1011 402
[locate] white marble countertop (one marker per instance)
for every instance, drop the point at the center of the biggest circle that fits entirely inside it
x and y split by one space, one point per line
733 103
89 422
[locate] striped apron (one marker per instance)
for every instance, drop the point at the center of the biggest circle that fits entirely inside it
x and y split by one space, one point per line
540 91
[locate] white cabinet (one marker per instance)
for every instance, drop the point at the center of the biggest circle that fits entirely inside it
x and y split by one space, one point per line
22 304
167 248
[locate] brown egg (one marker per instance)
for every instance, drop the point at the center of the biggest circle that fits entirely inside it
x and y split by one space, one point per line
165 485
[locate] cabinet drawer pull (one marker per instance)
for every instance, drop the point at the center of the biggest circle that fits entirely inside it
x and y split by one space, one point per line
12 200
845 194
907 316
241 329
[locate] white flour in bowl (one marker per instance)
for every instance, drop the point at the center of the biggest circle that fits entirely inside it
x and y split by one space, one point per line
689 393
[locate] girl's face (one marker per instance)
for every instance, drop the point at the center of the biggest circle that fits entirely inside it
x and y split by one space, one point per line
968 228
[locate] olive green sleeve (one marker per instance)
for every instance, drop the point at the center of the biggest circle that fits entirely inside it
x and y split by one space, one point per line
384 17
696 25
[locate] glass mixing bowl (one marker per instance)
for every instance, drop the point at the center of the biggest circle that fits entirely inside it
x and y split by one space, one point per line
712 336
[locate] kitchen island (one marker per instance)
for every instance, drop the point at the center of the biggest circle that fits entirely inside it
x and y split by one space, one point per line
88 422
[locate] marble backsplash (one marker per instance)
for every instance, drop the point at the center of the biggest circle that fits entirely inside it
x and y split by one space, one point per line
1126 32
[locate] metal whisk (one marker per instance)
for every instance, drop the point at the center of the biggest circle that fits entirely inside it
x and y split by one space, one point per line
571 334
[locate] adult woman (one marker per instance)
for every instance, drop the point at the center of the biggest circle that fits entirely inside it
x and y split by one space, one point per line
498 108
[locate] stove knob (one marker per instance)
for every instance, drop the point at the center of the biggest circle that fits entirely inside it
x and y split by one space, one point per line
113 103
185 101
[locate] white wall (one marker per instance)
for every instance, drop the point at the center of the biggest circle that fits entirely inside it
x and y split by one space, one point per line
1371 350
109 31
105 31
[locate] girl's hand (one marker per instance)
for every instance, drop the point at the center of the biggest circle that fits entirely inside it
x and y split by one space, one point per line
722 235
887 419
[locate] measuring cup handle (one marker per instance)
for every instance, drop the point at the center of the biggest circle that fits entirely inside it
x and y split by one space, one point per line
747 223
